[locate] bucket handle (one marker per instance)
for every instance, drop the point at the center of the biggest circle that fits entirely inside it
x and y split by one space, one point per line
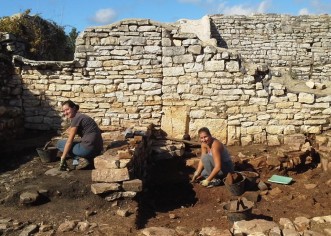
47 144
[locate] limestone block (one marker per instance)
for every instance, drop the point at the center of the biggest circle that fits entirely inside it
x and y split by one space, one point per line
29 197
94 64
110 175
253 226
327 111
258 100
175 121
173 51
214 65
134 185
173 71
182 59
63 87
132 40
166 42
233 136
306 98
273 140
110 162
124 154
158 231
197 114
118 195
109 41
153 49
250 109
291 232
262 93
194 49
150 86
98 188
254 130
310 129
232 66
275 129
278 92
217 127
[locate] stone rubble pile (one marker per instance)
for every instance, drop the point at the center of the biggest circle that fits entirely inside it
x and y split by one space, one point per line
316 226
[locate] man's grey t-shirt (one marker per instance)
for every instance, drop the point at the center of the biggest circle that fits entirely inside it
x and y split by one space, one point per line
89 131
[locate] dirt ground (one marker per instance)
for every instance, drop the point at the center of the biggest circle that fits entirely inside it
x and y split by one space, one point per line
169 200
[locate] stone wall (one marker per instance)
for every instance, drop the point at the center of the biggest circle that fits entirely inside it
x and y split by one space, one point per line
301 43
11 115
138 72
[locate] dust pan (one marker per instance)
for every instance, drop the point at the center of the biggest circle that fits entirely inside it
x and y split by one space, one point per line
280 179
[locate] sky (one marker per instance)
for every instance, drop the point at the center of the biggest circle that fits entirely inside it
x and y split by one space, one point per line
81 14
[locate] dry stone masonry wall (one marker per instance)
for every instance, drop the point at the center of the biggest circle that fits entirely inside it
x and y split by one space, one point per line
11 114
301 43
138 72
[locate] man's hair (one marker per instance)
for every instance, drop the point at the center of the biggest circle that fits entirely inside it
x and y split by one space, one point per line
205 130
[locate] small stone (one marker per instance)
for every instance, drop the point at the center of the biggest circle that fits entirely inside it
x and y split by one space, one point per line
67 226
172 216
122 212
275 191
310 186
83 226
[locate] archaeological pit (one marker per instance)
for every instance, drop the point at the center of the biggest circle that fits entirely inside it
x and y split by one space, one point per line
261 84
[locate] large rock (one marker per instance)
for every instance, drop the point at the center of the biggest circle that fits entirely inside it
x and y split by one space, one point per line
158 231
110 175
98 188
110 162
253 226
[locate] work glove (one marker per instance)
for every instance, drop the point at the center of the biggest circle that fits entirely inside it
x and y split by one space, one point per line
63 165
205 182
195 177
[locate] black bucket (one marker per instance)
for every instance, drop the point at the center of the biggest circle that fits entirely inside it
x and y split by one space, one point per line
47 155
236 214
251 179
237 188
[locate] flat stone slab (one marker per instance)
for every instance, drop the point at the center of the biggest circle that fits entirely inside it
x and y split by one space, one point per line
110 175
56 172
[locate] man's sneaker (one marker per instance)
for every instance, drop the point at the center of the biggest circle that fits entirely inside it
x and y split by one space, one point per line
214 182
83 163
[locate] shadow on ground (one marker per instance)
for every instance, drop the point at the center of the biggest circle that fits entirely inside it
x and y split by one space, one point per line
168 189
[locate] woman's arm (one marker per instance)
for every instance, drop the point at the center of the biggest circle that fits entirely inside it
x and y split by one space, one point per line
72 132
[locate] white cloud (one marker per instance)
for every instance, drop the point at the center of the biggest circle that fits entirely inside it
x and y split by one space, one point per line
303 11
243 9
104 16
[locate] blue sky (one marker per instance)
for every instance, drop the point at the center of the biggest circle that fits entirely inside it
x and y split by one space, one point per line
85 13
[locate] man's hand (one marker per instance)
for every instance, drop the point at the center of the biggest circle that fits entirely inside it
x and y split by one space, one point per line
205 182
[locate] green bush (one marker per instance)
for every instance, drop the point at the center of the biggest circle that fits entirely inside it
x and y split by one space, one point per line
45 40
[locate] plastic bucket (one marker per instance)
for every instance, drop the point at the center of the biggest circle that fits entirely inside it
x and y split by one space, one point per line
244 213
251 179
47 155
236 188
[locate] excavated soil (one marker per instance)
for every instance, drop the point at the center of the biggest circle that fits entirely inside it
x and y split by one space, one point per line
169 200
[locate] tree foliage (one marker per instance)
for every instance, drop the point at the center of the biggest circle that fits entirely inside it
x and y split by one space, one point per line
45 40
